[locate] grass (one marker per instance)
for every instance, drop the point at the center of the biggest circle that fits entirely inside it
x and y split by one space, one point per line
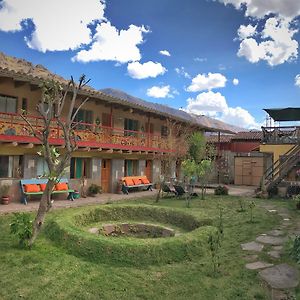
49 272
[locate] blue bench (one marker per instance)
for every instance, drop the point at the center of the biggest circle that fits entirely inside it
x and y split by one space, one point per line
25 195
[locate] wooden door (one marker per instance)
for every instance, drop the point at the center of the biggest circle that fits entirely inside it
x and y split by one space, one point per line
105 175
148 169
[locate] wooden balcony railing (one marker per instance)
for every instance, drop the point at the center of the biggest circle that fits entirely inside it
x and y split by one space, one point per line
281 135
14 128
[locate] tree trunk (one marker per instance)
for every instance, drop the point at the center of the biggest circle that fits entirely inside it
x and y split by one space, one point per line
158 193
44 207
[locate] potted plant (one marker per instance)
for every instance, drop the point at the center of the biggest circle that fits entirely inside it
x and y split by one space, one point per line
4 189
94 189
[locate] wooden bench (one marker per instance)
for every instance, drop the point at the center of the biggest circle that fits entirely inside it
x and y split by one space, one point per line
130 182
40 183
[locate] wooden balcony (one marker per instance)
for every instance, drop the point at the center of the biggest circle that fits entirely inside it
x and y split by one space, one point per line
281 135
14 129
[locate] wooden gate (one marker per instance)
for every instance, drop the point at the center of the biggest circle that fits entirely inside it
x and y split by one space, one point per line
105 175
248 170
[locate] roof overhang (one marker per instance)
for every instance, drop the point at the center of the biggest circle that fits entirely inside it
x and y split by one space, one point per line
284 114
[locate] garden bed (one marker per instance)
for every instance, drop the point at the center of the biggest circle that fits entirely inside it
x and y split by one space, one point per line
71 234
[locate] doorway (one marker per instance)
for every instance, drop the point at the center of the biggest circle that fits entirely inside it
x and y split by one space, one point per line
148 169
105 175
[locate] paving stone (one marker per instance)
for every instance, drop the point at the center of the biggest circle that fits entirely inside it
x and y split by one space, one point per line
276 232
94 230
280 276
272 210
251 258
252 246
282 295
258 265
277 248
274 254
271 240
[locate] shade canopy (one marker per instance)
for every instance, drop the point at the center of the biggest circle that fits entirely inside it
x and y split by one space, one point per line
284 114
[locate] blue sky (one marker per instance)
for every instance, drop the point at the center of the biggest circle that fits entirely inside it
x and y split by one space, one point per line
228 59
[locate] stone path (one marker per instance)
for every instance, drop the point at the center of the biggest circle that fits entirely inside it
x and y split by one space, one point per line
280 278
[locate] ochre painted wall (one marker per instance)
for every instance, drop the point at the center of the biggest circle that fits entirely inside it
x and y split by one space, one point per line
277 150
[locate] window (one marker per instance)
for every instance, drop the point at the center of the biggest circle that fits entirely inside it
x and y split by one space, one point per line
24 105
80 167
164 131
8 104
83 116
131 167
41 167
131 125
11 166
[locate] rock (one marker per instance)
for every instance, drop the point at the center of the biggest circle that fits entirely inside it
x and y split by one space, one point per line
94 230
271 240
125 228
272 210
252 246
280 276
258 265
108 228
277 248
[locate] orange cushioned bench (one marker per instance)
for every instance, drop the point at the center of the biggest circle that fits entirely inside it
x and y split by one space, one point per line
130 182
36 186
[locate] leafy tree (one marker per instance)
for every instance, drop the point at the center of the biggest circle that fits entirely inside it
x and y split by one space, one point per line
55 99
199 164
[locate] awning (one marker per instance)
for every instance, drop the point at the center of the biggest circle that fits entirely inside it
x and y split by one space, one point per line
284 114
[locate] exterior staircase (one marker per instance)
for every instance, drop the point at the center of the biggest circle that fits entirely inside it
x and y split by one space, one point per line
279 170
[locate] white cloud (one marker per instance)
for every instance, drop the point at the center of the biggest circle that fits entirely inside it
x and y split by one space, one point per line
165 52
235 81
215 105
246 31
297 80
260 8
207 103
200 59
277 46
160 92
58 25
207 82
181 71
111 44
239 117
149 69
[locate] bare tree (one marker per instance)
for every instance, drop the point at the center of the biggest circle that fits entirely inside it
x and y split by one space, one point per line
55 100
176 143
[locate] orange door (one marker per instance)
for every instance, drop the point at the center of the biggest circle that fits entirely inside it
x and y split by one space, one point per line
105 175
148 169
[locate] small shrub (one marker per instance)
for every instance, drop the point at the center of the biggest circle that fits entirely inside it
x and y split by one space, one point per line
297 201
241 204
22 227
214 244
94 189
295 251
251 206
221 190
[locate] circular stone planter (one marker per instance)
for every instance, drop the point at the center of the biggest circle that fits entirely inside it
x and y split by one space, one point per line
74 233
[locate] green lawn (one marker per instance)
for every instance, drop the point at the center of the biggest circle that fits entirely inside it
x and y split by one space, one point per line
49 272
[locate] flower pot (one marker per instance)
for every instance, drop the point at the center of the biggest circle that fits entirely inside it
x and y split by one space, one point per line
5 200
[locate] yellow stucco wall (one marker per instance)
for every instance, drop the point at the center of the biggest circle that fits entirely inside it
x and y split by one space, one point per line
276 150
